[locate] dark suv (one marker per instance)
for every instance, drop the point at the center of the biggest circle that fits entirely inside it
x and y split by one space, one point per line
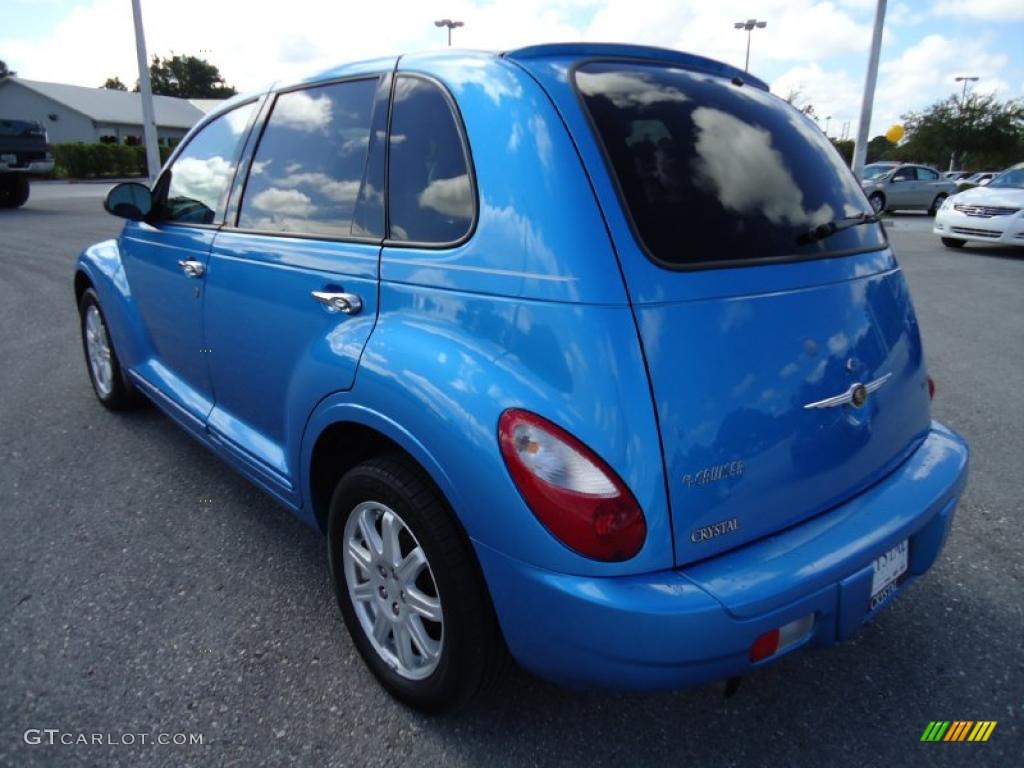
24 150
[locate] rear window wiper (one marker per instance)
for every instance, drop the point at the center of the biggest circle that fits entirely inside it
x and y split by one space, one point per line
828 229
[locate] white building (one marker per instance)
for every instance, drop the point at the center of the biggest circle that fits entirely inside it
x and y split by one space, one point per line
76 113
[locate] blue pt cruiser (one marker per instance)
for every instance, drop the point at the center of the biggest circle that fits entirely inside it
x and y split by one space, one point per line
591 354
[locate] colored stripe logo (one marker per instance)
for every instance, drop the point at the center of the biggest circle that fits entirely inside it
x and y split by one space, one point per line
958 730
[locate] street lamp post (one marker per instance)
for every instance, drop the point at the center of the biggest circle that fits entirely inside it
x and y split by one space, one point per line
860 147
146 94
965 79
828 119
750 25
451 25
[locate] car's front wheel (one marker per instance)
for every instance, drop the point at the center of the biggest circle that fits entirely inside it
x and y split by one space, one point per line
111 386
936 204
409 588
877 200
14 190
953 242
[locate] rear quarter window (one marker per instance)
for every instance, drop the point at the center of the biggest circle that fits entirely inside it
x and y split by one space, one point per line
714 173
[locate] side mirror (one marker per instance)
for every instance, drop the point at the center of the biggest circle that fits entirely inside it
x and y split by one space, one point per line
129 200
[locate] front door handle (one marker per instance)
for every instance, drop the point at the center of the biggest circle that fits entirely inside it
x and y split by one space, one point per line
348 303
192 268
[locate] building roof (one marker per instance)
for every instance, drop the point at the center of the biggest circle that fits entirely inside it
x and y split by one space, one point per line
123 107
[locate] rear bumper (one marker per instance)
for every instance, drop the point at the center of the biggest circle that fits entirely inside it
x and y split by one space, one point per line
695 624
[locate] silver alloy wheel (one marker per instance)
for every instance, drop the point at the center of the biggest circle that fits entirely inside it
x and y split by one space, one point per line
97 345
393 590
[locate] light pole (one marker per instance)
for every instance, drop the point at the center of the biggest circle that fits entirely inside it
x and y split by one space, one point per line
146 94
451 25
860 147
750 25
965 79
828 119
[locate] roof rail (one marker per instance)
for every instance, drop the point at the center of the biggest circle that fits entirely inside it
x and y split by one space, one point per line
626 51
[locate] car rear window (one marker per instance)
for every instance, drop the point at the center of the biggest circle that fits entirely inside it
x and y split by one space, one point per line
715 173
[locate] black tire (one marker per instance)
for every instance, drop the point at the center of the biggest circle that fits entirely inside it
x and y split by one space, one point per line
6 188
953 242
937 203
877 200
472 652
121 395
19 189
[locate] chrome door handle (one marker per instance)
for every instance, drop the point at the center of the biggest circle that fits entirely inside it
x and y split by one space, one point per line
348 303
192 268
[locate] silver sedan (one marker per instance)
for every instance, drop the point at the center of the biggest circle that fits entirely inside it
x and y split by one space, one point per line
906 187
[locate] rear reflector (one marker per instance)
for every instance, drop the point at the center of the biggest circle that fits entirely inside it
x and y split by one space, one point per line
778 640
931 388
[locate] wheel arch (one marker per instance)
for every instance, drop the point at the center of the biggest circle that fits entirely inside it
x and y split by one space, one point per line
342 434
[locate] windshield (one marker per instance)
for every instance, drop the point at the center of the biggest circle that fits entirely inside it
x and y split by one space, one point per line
20 128
872 172
1014 178
714 172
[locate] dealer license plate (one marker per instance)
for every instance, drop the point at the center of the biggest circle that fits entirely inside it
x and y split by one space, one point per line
887 571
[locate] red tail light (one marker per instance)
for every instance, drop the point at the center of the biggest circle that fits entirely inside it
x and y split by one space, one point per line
931 388
575 494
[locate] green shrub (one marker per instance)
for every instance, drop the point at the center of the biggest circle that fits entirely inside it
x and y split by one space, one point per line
89 161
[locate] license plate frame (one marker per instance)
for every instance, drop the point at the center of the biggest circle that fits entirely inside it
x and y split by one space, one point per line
887 573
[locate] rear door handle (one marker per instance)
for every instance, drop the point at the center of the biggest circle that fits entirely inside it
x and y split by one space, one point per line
348 303
192 268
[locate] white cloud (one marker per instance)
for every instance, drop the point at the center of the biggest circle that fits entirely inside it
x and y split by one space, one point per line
821 44
284 202
450 197
302 112
988 10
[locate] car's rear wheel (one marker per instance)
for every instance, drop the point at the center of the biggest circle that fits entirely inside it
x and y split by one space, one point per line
953 242
111 386
877 200
409 588
936 204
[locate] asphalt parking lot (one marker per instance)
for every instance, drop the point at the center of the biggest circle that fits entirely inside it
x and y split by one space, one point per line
127 606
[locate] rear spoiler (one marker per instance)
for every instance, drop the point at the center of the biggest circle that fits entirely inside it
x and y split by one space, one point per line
643 52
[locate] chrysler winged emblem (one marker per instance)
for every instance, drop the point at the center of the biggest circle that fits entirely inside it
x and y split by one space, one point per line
856 395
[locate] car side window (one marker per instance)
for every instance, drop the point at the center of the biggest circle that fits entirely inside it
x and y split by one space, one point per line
311 160
430 192
198 180
927 174
903 174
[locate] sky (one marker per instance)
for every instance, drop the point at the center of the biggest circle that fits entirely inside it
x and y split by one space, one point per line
817 48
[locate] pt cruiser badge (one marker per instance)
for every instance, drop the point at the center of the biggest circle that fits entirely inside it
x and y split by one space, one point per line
856 395
714 474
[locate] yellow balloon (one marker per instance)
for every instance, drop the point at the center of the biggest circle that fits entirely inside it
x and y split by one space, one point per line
895 133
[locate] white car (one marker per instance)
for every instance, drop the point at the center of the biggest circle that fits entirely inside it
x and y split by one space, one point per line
990 214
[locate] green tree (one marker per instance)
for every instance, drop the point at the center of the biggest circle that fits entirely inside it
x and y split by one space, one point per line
979 132
845 149
880 148
188 77
4 71
114 84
